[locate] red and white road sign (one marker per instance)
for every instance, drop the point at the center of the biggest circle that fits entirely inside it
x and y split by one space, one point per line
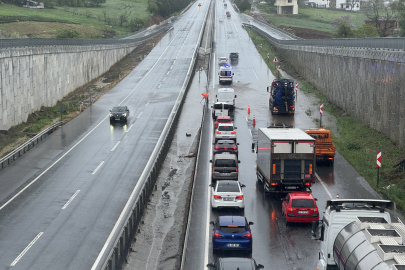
321 109
296 86
378 159
278 67
268 55
275 60
261 45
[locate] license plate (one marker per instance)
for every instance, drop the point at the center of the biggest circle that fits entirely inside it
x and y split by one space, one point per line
302 212
233 245
117 119
225 136
227 199
291 187
225 174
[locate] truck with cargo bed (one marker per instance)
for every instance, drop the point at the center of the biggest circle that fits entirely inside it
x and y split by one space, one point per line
325 149
285 159
359 234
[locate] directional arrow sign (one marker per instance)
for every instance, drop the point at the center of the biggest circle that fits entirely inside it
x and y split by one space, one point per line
275 60
278 67
261 45
321 109
378 159
268 55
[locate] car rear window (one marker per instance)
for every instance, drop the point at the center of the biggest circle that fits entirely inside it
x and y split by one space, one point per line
227 144
308 203
227 229
225 163
224 120
219 106
228 187
225 128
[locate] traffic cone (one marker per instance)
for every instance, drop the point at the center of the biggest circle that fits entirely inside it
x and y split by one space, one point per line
248 109
254 121
337 196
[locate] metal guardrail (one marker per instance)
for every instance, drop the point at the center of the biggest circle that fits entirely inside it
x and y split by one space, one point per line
33 42
21 150
372 43
115 253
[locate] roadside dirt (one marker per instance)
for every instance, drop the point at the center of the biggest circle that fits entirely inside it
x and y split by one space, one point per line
76 101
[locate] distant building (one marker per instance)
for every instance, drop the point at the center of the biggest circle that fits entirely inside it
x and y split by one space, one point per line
317 3
350 5
32 4
391 25
286 6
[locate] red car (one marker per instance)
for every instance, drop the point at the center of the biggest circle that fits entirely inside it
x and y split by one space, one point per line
223 119
300 207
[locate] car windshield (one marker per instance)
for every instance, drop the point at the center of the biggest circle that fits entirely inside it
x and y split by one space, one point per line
227 229
228 187
224 120
307 203
225 128
118 109
225 163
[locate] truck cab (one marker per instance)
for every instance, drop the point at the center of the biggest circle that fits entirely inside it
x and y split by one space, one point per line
225 74
325 149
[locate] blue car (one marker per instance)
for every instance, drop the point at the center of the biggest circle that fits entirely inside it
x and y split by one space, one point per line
232 233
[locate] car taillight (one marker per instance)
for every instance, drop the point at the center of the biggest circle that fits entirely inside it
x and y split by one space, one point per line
234 148
218 132
247 235
216 197
216 147
213 168
239 197
316 209
225 147
233 132
218 235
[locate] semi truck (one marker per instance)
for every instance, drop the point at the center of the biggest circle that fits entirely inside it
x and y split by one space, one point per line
325 149
359 234
282 96
285 159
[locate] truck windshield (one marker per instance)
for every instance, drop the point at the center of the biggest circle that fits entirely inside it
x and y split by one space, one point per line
292 169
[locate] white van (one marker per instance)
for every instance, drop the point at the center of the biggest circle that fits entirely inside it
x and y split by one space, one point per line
225 74
226 95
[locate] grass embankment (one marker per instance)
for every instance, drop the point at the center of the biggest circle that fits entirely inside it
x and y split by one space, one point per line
311 18
357 143
45 23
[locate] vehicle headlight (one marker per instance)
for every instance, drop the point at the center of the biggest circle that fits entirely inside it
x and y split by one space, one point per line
111 115
125 115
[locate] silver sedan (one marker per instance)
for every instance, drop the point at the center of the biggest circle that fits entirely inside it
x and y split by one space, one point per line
227 193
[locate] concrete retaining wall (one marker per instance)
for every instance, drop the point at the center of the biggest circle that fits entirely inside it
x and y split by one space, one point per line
369 85
31 77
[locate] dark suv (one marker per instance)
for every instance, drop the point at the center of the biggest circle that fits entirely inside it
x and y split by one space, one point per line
119 113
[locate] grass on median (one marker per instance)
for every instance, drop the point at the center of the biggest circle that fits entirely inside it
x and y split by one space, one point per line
357 143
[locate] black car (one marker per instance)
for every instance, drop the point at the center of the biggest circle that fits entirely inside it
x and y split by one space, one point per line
235 263
228 146
234 56
119 113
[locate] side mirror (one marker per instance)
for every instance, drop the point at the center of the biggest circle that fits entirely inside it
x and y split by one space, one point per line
235 128
238 161
218 73
211 265
316 199
251 223
237 143
260 266
242 185
233 73
253 146
268 88
235 96
212 107
210 185
110 110
216 95
210 160
212 222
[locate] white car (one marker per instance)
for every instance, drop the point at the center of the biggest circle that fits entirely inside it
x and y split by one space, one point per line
222 61
225 131
227 193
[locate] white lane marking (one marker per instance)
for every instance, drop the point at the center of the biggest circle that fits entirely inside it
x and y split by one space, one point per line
139 115
246 119
147 104
171 67
159 86
250 131
168 73
115 146
53 164
207 209
254 73
71 199
98 167
324 186
153 94
129 128
164 79
26 249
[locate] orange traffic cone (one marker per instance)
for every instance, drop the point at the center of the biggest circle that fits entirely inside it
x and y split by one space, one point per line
337 196
254 121
248 109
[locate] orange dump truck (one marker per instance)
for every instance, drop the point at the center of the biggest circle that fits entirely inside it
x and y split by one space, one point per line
325 149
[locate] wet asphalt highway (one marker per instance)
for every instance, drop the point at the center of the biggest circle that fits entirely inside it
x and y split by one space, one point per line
275 245
69 190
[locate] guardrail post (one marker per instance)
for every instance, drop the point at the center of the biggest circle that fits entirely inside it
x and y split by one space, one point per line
116 257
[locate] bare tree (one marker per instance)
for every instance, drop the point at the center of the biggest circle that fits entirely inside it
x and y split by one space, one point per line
380 15
352 4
